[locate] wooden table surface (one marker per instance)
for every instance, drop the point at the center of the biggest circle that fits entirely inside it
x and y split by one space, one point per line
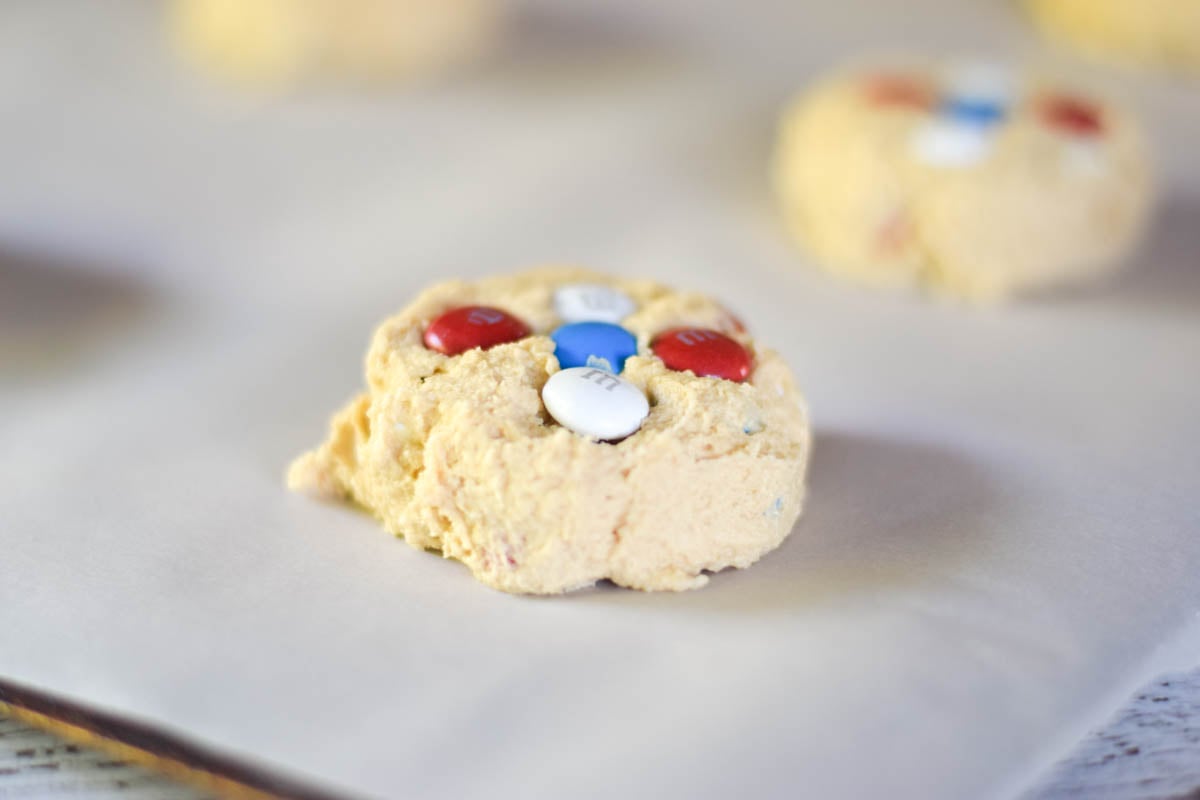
41 766
1150 750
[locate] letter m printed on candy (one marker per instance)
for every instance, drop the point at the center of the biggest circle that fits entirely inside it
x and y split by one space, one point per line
694 336
485 316
602 378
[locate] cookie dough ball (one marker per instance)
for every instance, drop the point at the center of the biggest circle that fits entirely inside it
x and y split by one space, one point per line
498 431
284 41
971 180
1156 32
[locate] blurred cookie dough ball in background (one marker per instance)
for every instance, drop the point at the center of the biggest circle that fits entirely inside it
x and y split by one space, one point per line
1154 32
971 180
289 41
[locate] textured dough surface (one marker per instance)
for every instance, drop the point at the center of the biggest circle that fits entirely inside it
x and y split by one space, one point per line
1041 208
457 453
1154 32
281 41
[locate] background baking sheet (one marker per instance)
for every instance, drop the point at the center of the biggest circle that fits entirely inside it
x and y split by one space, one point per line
1002 518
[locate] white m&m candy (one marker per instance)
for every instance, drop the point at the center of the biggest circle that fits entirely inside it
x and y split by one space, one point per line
946 143
594 402
591 302
976 101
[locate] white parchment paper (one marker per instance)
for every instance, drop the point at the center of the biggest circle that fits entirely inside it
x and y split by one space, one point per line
1002 520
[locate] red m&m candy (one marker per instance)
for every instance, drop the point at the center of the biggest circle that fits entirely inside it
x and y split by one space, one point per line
462 329
703 351
1072 115
899 90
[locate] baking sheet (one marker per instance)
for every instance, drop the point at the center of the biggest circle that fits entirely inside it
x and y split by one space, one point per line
1002 519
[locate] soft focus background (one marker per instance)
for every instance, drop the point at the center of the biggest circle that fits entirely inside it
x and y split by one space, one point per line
1000 542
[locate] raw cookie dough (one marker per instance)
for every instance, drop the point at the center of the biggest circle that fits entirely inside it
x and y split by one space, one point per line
283 41
971 180
459 454
1155 32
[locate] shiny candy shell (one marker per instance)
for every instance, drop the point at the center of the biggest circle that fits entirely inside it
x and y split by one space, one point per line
943 143
593 344
899 90
467 327
595 403
978 93
972 111
1072 116
704 351
591 302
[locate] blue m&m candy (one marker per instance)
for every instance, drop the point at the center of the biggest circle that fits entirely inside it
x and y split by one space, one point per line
978 94
973 110
593 344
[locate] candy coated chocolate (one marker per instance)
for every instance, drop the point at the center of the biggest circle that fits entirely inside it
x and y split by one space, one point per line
591 302
706 352
595 403
468 327
594 344
973 111
899 90
1072 115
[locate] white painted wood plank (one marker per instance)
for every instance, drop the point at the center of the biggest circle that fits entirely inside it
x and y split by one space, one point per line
1150 750
40 766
